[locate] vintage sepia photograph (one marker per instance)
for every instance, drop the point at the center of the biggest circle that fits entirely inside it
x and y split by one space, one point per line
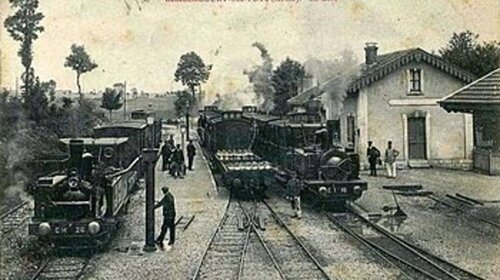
249 139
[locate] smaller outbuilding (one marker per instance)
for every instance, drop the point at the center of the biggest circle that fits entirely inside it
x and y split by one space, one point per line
481 98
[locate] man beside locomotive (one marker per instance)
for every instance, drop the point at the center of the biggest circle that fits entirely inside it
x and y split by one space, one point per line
168 204
294 188
373 157
390 160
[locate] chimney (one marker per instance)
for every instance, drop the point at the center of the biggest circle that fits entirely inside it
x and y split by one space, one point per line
371 53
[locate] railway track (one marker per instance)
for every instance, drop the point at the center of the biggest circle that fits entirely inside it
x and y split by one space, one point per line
225 253
14 218
462 206
291 257
62 268
411 260
240 249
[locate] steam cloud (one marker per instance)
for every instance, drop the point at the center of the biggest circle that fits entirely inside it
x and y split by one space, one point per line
333 79
235 100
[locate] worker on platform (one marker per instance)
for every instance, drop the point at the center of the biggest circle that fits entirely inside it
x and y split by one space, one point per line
191 152
294 187
168 204
373 158
390 160
166 152
178 162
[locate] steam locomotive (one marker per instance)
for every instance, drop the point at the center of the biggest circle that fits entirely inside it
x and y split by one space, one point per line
79 206
227 139
298 143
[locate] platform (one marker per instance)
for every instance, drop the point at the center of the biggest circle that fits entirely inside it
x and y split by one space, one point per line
195 195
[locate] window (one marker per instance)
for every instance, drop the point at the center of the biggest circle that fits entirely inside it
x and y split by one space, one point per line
415 80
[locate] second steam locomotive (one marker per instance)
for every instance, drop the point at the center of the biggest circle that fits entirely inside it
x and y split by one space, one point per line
250 149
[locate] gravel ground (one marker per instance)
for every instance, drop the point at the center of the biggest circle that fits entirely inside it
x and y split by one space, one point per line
195 195
18 256
341 256
444 232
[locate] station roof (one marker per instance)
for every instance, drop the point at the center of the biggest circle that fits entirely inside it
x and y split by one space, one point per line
285 122
260 117
128 124
387 63
481 95
306 96
104 141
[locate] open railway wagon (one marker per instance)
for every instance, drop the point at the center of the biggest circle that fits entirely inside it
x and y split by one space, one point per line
299 143
227 138
79 207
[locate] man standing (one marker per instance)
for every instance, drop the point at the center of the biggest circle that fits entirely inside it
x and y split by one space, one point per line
168 204
178 161
390 160
166 152
373 157
171 141
191 152
293 190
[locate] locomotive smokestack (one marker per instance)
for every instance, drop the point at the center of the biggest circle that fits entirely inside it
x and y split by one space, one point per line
75 153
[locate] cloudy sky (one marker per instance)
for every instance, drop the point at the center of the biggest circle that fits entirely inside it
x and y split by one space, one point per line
142 45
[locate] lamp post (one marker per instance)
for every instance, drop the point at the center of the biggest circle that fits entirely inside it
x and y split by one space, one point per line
183 141
187 120
149 158
150 120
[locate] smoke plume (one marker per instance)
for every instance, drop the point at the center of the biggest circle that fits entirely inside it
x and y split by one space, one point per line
260 79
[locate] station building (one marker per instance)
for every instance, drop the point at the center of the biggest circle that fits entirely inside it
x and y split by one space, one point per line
395 98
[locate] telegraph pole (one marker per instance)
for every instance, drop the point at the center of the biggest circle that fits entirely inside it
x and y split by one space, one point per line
149 156
125 100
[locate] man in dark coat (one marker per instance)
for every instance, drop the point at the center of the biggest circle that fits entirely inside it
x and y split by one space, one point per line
166 152
171 141
168 204
191 152
373 158
178 161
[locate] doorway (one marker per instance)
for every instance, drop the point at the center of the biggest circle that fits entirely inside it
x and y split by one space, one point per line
416 138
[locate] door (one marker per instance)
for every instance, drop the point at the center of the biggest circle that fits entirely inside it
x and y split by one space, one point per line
416 138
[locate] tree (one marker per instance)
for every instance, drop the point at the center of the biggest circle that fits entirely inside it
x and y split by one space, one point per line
24 26
111 101
184 104
286 80
192 71
79 60
464 51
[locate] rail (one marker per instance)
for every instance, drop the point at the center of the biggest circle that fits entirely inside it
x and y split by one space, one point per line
298 241
457 208
12 210
391 247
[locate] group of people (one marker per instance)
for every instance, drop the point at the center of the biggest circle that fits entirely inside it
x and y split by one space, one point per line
390 159
173 157
173 161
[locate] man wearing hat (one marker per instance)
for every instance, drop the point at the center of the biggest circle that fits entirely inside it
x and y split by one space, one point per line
168 204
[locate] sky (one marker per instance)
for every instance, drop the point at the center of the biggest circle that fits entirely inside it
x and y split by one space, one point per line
141 43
